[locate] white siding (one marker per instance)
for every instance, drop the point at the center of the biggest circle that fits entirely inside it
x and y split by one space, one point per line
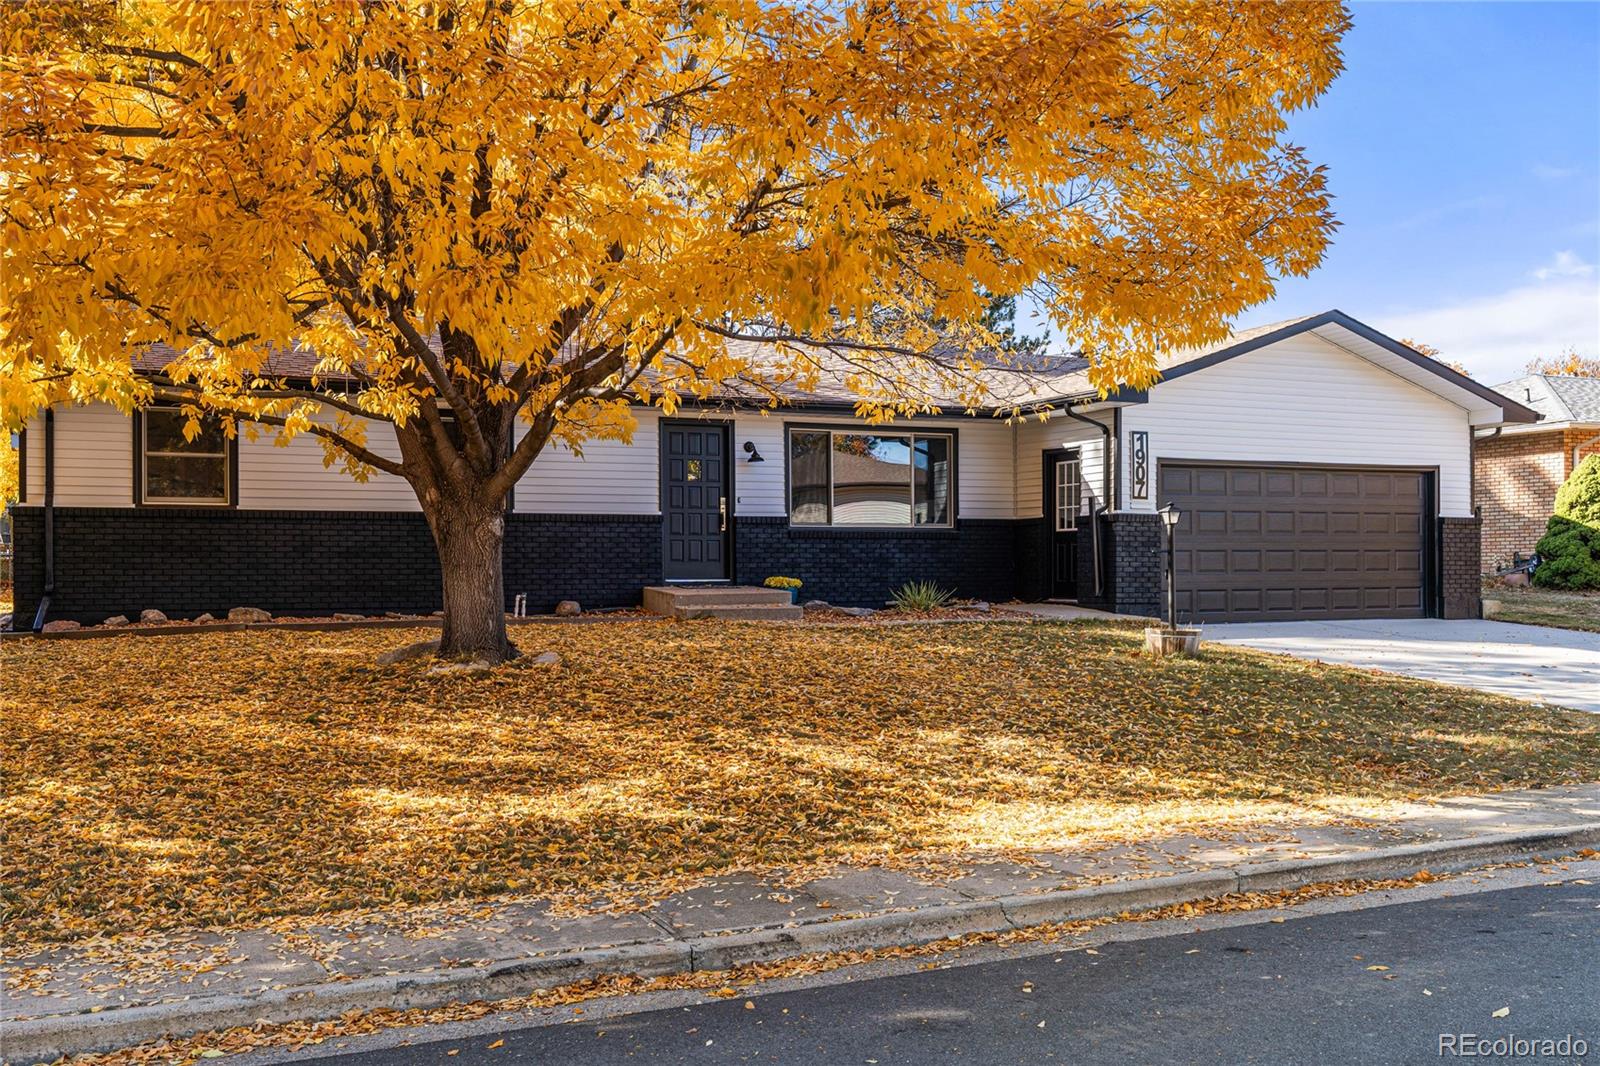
290 476
610 477
94 457
1305 400
33 476
1034 438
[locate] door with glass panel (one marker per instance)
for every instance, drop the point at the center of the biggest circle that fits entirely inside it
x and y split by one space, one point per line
1064 498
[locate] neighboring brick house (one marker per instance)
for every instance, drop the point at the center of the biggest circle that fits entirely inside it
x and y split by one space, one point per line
1517 468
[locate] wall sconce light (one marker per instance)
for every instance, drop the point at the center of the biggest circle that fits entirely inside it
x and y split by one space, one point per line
753 455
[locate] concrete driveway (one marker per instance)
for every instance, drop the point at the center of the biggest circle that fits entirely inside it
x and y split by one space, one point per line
1559 666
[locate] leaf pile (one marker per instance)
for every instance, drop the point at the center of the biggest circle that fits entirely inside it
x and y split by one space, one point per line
227 778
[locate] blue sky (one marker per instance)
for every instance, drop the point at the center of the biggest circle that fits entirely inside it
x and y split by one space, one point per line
1463 147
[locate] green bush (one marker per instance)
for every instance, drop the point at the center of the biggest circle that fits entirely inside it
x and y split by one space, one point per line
920 596
1569 551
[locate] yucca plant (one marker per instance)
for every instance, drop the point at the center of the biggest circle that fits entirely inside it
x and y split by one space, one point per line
920 596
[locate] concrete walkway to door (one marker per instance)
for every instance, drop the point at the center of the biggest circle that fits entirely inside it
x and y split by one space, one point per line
1538 663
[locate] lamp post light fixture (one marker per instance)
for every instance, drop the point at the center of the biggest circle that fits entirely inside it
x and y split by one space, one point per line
1169 519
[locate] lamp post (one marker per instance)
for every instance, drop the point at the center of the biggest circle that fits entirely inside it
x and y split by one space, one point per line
1169 519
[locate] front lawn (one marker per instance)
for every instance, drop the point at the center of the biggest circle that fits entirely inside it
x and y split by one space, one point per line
225 778
1545 607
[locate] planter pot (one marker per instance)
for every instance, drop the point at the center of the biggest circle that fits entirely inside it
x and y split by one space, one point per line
1161 641
794 595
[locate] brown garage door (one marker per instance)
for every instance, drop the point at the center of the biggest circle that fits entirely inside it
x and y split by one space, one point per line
1257 543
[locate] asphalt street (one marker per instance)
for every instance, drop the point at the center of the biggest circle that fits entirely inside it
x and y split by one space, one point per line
1379 985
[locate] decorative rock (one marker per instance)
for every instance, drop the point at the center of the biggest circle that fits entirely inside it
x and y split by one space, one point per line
116 621
856 612
545 658
472 668
61 625
568 608
411 651
346 616
151 615
437 614
249 614
817 605
207 617
979 605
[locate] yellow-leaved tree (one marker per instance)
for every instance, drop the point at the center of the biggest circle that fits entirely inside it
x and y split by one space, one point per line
499 223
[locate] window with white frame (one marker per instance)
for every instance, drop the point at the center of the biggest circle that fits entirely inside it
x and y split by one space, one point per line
845 477
178 469
1069 492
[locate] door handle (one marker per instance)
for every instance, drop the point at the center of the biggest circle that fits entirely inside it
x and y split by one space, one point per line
722 512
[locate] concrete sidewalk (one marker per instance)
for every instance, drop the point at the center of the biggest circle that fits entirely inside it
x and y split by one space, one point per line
299 968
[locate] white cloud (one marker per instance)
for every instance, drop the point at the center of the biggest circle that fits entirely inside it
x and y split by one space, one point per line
1495 335
1546 172
1565 265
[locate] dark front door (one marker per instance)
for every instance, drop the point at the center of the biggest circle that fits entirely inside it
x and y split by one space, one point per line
1257 543
694 499
1063 494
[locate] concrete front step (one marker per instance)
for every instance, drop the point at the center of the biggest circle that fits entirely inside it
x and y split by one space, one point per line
675 600
755 612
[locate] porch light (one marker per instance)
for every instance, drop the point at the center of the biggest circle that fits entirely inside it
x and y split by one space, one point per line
753 456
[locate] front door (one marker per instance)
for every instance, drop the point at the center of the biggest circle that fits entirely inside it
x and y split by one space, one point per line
694 501
1064 493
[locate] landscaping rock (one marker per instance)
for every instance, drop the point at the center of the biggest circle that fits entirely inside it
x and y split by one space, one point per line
207 617
545 658
568 608
857 612
437 614
249 614
411 651
817 605
152 616
979 605
116 621
470 668
345 616
61 625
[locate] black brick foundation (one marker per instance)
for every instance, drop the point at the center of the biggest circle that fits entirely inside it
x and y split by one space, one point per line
1461 545
862 568
186 561
1137 565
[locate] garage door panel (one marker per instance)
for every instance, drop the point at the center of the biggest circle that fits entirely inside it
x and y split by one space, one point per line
1294 542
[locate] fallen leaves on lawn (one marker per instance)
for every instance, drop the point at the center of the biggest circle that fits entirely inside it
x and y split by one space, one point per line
224 779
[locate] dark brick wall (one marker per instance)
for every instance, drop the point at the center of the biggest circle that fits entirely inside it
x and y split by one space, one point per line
1138 567
1031 545
861 568
186 561
600 560
1460 540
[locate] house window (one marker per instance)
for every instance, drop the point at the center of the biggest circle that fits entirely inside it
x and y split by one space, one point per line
1069 493
850 478
178 470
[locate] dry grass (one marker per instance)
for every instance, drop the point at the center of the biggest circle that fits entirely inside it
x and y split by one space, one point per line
1546 607
226 778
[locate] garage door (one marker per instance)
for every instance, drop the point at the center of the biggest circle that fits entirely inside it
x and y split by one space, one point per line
1258 543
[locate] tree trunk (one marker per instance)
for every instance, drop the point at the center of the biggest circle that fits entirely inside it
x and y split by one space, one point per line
469 541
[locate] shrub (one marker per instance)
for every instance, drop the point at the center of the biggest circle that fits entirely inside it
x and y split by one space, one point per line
1569 551
920 596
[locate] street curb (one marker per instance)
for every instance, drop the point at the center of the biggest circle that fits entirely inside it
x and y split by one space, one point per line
48 1038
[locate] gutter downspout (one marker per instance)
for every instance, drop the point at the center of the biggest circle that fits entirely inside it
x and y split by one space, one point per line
49 519
1105 493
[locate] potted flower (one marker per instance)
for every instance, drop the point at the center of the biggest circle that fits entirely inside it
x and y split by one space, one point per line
792 584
